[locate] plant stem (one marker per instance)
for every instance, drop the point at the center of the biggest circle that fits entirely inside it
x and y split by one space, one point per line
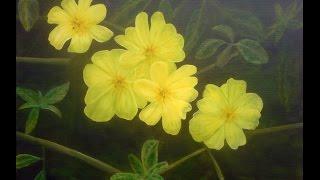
216 165
180 161
55 61
68 151
205 69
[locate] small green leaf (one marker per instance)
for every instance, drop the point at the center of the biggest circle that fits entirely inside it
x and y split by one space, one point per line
127 11
125 176
225 31
149 153
154 177
32 120
53 109
278 10
208 48
166 8
28 11
194 28
27 105
135 164
158 168
24 160
28 95
57 94
252 51
225 56
41 175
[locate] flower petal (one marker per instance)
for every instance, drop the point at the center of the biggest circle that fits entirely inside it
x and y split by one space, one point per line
95 92
157 24
202 126
57 15
102 110
247 118
183 72
151 114
96 13
80 43
59 35
70 6
142 27
84 4
130 40
234 89
159 72
208 105
130 59
125 104
214 94
101 33
216 141
146 89
250 101
234 135
93 75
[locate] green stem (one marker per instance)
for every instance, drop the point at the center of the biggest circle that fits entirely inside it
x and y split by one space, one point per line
211 66
216 165
68 151
55 61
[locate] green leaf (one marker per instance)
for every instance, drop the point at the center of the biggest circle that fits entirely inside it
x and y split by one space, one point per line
32 120
252 51
24 160
208 48
154 177
226 55
276 31
28 105
225 31
28 95
56 94
149 153
128 11
41 175
278 9
28 11
135 164
295 24
159 167
166 8
125 176
194 28
53 109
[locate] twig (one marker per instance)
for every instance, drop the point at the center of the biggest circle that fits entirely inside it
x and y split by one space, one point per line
68 151
55 61
216 165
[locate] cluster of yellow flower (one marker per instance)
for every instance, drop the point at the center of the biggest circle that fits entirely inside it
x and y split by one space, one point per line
144 75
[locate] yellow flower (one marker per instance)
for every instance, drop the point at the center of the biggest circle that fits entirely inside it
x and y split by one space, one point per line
78 23
169 93
110 88
145 45
223 113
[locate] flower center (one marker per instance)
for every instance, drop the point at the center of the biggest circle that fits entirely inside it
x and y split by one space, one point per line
78 25
150 51
163 93
119 82
229 114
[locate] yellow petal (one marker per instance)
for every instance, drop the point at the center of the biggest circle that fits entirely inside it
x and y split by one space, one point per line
203 126
95 92
185 94
93 75
214 95
157 25
247 118
183 72
130 40
234 135
187 82
146 88
141 102
250 101
159 72
84 4
57 15
142 27
130 59
125 104
234 89
102 110
70 6
207 105
100 33
80 43
59 35
216 141
151 114
96 13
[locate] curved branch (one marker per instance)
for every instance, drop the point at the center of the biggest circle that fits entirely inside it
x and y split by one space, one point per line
216 165
56 61
68 151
